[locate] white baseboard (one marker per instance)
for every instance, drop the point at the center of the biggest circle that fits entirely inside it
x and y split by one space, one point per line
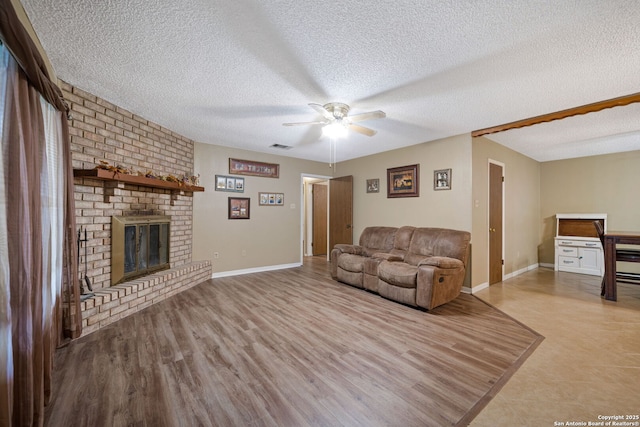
485 285
254 270
475 289
521 271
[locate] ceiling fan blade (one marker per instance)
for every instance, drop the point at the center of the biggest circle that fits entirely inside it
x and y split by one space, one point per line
320 109
368 115
363 130
305 123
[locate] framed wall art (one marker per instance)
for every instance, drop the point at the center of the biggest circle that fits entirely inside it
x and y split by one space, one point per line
403 181
229 183
249 167
271 199
239 207
373 185
442 179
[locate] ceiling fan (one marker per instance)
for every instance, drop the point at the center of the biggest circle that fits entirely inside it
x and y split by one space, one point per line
336 118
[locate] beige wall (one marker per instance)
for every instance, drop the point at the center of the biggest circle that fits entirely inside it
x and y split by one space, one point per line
521 209
597 184
444 208
272 236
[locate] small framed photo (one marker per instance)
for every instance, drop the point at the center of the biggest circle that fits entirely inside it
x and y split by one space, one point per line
239 207
373 185
442 179
403 181
271 199
229 183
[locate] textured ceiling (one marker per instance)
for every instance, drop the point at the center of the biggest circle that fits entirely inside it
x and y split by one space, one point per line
231 72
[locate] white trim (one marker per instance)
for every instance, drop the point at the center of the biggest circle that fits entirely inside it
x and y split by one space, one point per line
485 285
254 270
478 288
546 265
303 209
521 271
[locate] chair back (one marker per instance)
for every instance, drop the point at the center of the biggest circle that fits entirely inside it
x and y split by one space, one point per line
600 231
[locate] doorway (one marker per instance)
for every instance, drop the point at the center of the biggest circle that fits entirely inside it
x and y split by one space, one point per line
327 213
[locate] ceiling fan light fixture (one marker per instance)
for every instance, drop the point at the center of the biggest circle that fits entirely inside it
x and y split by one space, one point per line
336 129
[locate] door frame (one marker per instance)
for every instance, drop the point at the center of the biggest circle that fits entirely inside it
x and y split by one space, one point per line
304 209
317 231
504 174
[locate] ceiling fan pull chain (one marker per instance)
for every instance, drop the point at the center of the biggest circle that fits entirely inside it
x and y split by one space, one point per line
332 151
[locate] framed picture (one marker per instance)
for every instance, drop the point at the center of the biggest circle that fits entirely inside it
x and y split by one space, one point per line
403 181
373 185
229 183
239 207
249 167
442 179
271 199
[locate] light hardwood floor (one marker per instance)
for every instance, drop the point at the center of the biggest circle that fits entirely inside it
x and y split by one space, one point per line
589 363
289 348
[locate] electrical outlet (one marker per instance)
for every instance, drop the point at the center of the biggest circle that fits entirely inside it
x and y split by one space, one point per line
216 255
244 252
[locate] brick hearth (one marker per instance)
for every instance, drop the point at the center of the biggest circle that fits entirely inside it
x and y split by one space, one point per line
115 302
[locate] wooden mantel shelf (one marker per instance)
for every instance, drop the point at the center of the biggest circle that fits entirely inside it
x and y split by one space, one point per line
110 176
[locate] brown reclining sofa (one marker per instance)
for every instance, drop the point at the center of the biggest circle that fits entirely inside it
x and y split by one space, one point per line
418 266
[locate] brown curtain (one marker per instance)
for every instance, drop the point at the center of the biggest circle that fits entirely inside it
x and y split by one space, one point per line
19 43
39 293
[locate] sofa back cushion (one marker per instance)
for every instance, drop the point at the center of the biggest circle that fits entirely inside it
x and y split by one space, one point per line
402 240
442 242
377 239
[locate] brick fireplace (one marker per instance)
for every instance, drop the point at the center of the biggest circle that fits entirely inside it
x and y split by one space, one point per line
102 131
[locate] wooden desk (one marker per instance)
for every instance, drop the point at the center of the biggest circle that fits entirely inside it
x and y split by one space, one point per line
611 240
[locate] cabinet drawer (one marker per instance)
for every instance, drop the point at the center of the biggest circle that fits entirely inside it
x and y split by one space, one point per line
565 251
579 243
592 245
568 261
568 242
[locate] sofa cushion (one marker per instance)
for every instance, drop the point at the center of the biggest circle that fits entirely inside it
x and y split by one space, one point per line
398 274
351 262
403 237
377 239
438 242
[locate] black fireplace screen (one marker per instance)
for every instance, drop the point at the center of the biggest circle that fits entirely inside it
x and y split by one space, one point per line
139 245
145 246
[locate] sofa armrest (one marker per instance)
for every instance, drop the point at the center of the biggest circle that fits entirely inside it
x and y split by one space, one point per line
387 256
441 262
349 249
439 284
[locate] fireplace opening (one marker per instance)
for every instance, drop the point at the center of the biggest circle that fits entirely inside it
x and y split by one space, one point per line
139 246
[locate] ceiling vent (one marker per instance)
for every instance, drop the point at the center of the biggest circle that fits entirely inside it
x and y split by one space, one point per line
281 147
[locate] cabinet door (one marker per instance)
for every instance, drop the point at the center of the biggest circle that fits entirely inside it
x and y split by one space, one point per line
589 258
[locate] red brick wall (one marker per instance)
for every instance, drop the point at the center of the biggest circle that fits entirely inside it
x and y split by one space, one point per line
99 131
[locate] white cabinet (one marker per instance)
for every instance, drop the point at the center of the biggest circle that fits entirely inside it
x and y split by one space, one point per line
578 255
577 245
